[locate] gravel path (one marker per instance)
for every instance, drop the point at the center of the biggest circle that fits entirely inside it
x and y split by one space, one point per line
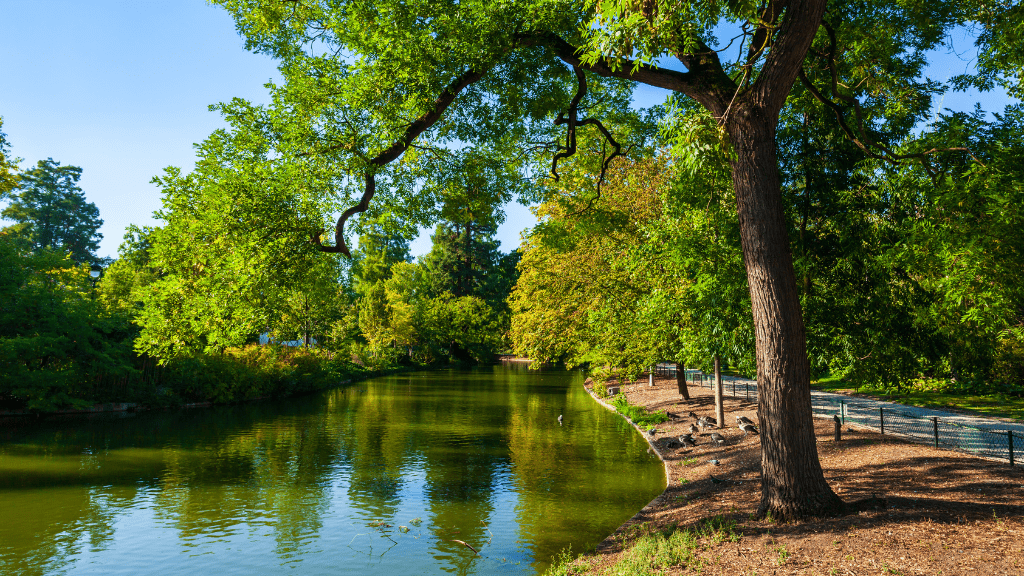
974 434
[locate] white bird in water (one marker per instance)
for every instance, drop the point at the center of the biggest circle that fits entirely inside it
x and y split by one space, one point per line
559 419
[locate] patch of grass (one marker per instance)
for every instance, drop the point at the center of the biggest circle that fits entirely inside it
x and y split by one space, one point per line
928 396
783 554
671 547
600 389
688 461
565 564
638 414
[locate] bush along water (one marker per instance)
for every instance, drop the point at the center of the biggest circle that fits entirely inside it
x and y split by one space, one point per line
234 375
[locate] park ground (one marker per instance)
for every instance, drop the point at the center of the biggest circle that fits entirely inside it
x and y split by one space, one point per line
944 512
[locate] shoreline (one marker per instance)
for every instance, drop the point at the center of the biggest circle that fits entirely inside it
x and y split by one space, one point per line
612 540
933 501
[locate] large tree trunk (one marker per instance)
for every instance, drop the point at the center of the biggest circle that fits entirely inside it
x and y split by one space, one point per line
792 482
681 381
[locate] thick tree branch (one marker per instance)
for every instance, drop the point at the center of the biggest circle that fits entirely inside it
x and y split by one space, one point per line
389 154
799 25
702 83
762 38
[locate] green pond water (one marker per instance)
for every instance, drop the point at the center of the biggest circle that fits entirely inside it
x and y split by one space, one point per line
377 478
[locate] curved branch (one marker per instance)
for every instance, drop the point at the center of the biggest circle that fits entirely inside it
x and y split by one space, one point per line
863 140
388 155
570 139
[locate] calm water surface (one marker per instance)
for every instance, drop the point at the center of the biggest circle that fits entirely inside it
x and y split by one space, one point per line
377 478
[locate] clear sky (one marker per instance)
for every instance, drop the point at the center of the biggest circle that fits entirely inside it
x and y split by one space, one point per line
121 89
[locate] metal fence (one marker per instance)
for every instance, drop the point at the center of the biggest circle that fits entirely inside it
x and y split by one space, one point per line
1005 445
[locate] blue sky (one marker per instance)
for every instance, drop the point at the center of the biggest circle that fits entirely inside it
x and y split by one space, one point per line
121 89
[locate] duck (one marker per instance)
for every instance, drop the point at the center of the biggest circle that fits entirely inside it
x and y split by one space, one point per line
748 428
744 420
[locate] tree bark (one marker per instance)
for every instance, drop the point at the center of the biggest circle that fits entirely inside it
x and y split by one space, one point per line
681 381
792 482
719 401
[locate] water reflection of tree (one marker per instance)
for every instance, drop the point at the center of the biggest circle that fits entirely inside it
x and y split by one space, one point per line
571 476
266 469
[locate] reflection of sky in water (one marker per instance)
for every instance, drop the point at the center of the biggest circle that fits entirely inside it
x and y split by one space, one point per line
380 478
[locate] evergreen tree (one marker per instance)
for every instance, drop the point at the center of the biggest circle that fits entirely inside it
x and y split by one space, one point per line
51 211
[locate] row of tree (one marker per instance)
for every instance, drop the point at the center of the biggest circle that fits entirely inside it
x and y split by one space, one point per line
192 293
905 271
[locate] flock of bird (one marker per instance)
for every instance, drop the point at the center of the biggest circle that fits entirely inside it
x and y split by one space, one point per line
704 422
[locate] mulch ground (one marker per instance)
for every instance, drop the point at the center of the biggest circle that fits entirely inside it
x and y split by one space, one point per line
945 512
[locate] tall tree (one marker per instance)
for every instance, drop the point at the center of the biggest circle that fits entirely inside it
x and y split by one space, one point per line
401 75
8 165
51 211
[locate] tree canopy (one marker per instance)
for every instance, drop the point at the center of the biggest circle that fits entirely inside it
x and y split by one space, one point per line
51 211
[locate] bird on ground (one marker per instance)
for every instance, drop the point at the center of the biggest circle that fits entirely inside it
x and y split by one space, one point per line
715 480
688 440
718 438
693 429
670 442
694 415
744 420
652 431
711 421
748 428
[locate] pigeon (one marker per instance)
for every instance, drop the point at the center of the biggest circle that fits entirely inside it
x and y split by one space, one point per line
715 480
687 440
713 462
718 438
694 415
707 422
744 420
693 429
748 428
652 431
710 421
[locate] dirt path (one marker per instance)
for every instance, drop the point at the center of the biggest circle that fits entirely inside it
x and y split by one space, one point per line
957 431
945 512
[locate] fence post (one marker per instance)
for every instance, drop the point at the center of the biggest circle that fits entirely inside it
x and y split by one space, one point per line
1009 442
935 423
734 388
881 419
839 434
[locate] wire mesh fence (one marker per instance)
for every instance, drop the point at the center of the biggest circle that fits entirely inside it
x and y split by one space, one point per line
989 442
1007 445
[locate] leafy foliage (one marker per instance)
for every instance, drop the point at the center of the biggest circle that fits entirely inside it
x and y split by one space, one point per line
51 211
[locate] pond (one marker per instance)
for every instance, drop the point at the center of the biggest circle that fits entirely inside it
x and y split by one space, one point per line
386 476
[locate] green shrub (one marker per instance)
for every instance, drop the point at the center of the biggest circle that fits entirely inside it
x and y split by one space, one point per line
638 414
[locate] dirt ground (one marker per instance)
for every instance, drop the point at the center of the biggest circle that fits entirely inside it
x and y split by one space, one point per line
945 512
